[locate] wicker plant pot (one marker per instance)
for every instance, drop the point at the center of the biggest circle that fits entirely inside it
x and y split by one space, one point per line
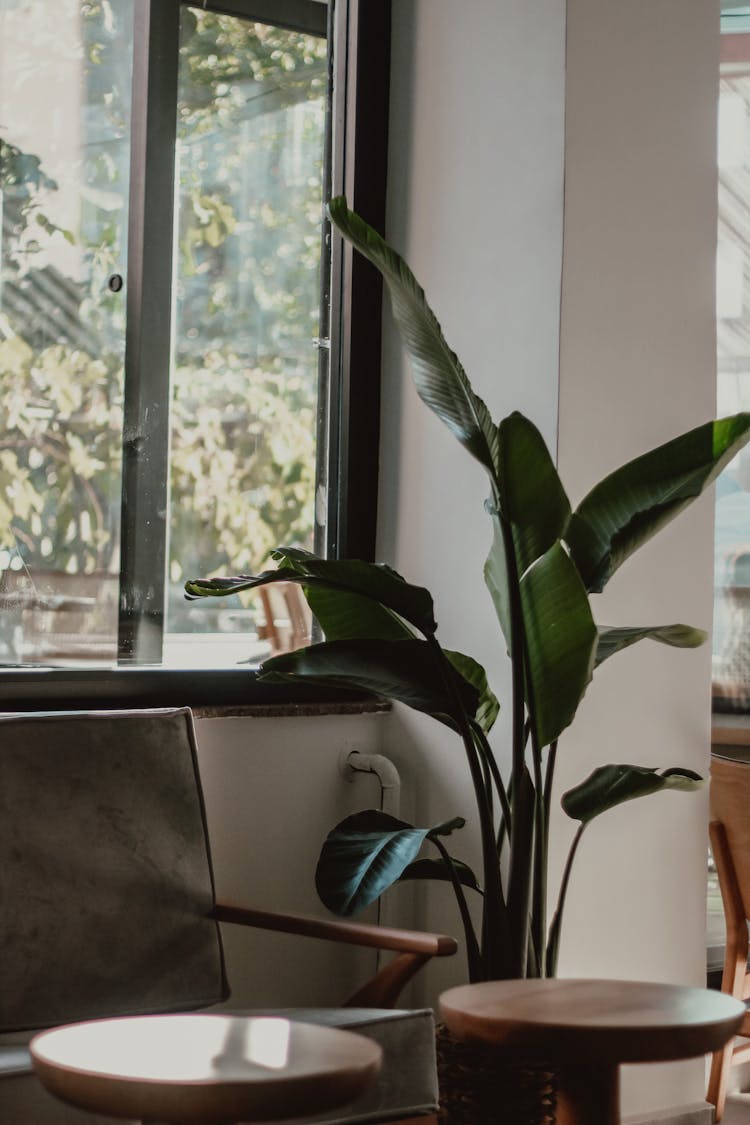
476 1088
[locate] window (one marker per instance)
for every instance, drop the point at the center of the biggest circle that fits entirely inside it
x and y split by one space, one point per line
188 361
731 640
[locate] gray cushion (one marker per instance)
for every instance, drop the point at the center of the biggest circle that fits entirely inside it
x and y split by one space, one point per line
406 1087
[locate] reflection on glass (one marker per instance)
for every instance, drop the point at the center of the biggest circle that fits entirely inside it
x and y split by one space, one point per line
247 262
64 156
731 642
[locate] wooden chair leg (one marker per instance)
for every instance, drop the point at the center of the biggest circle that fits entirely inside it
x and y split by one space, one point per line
735 958
719 1080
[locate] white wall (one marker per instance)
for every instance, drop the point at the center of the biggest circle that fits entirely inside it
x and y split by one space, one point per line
638 367
273 790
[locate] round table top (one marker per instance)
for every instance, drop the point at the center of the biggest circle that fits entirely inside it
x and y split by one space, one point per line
197 1068
592 1021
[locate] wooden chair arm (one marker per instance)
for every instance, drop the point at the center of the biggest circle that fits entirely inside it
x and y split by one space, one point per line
353 933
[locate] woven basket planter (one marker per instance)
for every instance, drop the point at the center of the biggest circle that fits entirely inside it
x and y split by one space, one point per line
478 1088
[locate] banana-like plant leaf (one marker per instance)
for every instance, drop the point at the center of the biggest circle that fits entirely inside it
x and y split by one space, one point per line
365 854
379 584
612 785
532 497
341 615
630 505
438 869
489 706
403 670
440 380
615 639
496 577
561 642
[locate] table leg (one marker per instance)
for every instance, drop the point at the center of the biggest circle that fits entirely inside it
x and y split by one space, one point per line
588 1095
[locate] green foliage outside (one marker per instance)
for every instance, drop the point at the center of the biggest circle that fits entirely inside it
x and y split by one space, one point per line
244 384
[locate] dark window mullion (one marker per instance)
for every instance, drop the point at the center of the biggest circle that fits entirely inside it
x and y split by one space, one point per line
145 466
360 131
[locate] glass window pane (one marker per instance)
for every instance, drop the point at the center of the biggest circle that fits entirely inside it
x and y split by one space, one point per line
731 638
250 139
65 73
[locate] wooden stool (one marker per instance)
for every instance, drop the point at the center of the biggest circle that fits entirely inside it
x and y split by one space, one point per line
586 1028
208 1069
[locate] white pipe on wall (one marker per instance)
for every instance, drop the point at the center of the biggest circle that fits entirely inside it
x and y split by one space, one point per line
389 778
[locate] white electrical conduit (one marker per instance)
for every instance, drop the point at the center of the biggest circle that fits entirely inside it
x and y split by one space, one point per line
356 762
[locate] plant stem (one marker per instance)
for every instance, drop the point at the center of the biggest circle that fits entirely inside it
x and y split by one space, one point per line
480 739
539 895
473 952
549 776
519 877
553 942
495 932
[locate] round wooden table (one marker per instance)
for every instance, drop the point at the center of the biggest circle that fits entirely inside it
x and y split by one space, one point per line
211 1069
586 1028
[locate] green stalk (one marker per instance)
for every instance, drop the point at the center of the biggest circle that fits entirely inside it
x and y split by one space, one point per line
553 941
495 932
539 894
473 952
519 877
480 740
549 776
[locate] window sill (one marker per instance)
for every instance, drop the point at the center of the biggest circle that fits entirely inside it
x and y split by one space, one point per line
292 710
210 693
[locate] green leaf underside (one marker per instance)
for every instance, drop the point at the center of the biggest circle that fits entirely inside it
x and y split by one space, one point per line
438 869
561 641
364 855
379 584
609 786
614 639
489 706
439 378
406 671
631 504
532 497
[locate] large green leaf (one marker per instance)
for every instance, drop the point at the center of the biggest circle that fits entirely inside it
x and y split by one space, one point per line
365 854
488 707
406 671
630 505
561 642
532 497
614 639
440 380
612 785
379 584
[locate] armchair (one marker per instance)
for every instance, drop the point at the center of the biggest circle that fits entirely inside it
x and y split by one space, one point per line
108 905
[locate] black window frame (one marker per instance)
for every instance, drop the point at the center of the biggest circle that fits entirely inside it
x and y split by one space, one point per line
350 347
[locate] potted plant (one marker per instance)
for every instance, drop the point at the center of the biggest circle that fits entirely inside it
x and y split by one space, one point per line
545 564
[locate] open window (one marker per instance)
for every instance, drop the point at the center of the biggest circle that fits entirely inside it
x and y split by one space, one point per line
188 361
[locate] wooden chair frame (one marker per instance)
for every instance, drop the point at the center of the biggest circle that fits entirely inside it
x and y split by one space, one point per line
735 979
